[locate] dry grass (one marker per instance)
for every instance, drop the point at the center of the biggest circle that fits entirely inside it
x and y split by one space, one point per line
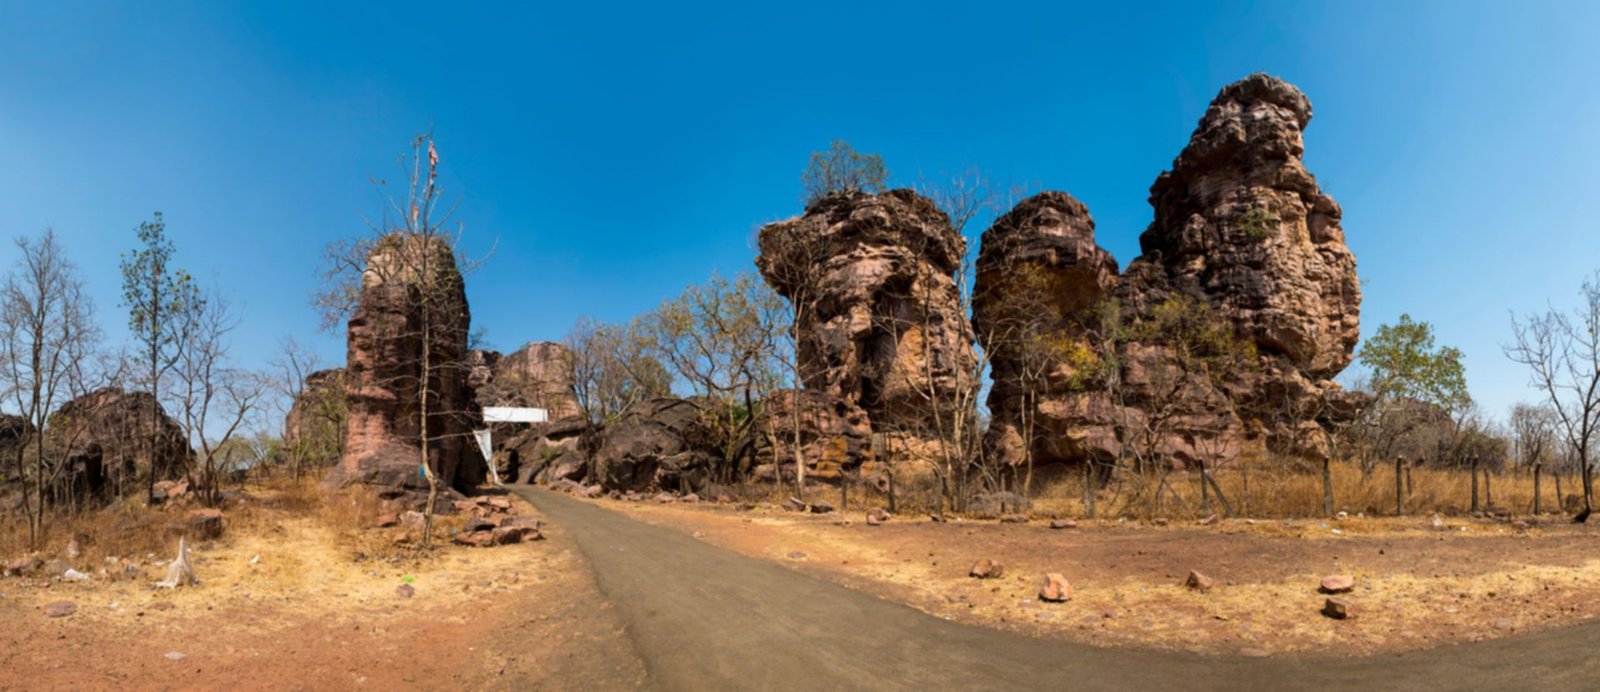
133 529
1286 492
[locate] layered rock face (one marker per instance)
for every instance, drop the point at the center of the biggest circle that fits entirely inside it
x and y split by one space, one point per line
539 375
412 301
834 438
1039 273
105 439
879 317
314 426
1240 229
546 453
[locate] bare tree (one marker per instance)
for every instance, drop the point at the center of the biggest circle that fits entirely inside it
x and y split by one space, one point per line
610 369
1562 353
213 398
48 336
718 339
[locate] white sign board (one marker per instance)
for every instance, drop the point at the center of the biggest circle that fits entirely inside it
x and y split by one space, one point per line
486 445
511 414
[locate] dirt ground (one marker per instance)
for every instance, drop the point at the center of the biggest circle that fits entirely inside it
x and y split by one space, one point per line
285 604
1417 585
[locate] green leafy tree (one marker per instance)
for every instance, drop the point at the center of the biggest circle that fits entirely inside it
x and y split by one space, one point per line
156 295
842 169
1406 363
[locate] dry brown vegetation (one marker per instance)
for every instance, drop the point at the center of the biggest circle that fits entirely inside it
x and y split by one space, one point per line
297 593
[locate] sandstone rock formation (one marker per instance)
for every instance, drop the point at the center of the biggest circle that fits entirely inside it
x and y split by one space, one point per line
657 443
313 429
104 439
412 301
880 320
834 437
1242 232
546 452
538 374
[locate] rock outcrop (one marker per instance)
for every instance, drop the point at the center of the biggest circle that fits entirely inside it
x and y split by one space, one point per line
104 438
539 375
880 320
314 426
834 437
1242 234
659 443
546 452
412 301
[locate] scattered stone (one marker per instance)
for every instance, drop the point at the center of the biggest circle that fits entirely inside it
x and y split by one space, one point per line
877 516
594 492
74 575
796 555
691 498
60 609
405 591
1504 625
176 656
1521 525
1342 515
500 503
1063 524
476 524
205 524
632 496
413 519
936 518
1211 520
1198 581
385 521
1338 583
821 507
1014 519
1160 521
73 551
56 568
507 535
986 569
664 498
477 539
1055 588
23 566
1336 608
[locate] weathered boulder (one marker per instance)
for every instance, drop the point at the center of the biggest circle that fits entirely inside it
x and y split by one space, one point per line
659 443
1241 235
314 425
834 437
412 301
545 452
879 317
104 437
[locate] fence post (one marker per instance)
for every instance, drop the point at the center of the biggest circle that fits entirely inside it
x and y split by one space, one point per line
1474 460
1399 486
1488 487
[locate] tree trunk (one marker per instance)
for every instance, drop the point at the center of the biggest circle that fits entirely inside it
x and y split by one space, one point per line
1536 507
1088 489
1488 487
1474 470
1227 507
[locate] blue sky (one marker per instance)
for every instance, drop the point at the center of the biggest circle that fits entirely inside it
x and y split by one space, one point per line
614 154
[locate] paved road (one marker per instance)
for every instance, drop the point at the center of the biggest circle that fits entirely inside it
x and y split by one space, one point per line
706 618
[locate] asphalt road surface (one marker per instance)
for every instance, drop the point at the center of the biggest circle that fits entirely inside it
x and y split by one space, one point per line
705 618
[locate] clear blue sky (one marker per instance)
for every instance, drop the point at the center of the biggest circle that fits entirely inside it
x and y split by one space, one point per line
619 153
